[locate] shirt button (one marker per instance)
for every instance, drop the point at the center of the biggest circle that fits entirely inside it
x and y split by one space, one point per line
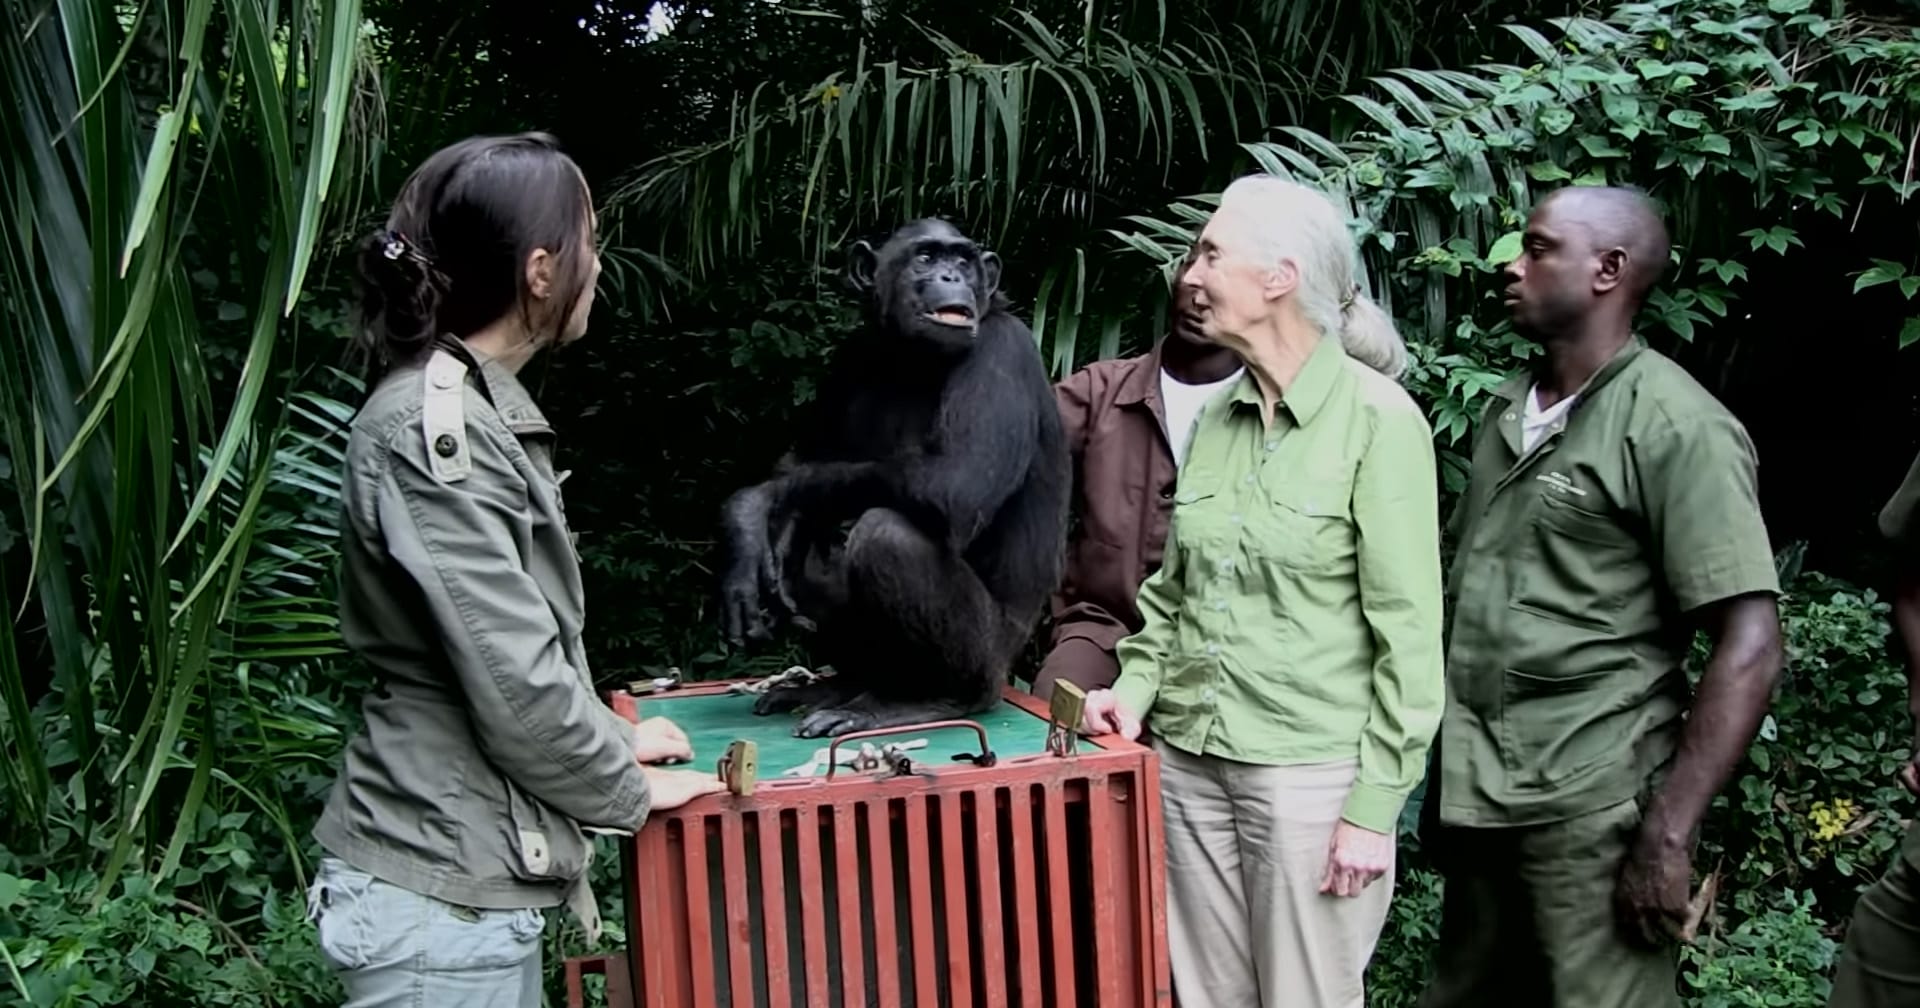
1509 416
1234 518
1249 479
1271 445
1226 567
1212 649
1207 696
1220 606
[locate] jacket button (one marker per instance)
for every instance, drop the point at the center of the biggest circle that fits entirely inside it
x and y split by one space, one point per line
445 445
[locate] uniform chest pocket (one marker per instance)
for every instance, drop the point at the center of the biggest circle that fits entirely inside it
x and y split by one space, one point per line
1306 524
1582 566
1560 517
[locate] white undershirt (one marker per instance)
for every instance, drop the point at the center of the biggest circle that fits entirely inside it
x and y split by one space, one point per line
1536 422
1183 403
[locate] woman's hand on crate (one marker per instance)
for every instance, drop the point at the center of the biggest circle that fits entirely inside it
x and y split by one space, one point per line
658 740
670 789
1104 715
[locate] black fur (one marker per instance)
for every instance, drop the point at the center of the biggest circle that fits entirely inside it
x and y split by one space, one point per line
919 525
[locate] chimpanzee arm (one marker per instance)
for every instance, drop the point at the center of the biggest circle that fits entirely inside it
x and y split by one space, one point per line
985 433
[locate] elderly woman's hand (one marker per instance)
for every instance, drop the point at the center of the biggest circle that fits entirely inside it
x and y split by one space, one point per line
1355 858
1103 715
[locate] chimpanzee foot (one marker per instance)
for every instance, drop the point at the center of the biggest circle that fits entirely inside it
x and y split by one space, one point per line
864 713
835 721
781 699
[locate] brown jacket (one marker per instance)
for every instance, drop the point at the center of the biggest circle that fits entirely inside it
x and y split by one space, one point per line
1124 473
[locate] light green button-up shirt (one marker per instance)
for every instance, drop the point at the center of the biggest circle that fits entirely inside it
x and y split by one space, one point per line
1297 617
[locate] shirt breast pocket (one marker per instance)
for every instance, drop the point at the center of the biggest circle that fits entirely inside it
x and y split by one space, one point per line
1307 526
1582 566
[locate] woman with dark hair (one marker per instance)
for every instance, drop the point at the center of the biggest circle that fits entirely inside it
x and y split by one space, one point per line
460 812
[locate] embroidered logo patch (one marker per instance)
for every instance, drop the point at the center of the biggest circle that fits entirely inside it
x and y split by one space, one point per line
1560 482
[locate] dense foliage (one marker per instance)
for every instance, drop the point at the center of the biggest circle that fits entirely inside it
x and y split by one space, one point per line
174 691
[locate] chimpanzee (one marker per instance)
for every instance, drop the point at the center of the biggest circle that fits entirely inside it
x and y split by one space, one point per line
920 523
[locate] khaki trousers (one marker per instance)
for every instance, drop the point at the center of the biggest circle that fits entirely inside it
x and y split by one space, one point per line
1246 849
1528 918
1879 966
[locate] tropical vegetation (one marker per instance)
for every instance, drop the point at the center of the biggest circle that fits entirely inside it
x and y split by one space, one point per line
182 178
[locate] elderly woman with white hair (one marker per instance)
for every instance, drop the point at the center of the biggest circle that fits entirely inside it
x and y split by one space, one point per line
1290 667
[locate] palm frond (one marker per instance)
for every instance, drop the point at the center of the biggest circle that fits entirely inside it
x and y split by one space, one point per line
140 485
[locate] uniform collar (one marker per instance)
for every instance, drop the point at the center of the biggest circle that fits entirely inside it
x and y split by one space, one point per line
1311 387
1514 390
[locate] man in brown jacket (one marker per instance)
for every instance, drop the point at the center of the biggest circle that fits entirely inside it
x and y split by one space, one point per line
1127 423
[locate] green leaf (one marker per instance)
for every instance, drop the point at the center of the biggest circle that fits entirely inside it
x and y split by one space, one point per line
1687 119
1547 171
11 889
1600 147
1883 271
1909 285
1556 120
1910 333
1505 249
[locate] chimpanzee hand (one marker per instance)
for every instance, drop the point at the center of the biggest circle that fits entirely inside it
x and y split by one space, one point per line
741 618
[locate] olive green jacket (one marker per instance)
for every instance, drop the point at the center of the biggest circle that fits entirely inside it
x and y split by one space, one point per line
485 748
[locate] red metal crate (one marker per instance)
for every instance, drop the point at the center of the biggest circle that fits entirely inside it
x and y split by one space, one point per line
967 886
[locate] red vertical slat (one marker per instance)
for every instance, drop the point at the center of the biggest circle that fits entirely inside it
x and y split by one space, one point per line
993 939
733 875
1060 895
953 871
1100 859
663 936
699 911
1154 872
773 909
886 938
926 972
846 870
1026 910
812 880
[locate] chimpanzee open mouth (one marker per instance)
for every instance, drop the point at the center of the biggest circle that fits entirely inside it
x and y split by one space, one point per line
959 316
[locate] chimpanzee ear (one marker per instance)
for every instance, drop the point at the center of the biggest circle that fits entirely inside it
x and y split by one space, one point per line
989 273
862 262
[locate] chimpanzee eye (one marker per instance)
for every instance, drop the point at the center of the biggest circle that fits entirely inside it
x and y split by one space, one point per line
923 258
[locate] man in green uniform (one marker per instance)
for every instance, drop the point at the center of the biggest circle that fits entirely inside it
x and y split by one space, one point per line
1880 965
1610 512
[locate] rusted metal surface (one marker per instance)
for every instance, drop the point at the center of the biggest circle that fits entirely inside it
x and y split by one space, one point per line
1034 882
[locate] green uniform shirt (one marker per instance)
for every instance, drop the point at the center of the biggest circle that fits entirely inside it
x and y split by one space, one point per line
1296 618
1575 564
1900 518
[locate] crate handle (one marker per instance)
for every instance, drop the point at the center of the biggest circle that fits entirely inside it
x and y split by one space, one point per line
986 757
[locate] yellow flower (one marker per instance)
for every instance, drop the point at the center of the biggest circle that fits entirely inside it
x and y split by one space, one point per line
1830 821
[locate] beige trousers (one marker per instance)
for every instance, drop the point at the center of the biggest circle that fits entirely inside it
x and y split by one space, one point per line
1247 848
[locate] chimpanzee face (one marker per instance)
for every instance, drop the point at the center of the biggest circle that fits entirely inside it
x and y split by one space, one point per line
928 282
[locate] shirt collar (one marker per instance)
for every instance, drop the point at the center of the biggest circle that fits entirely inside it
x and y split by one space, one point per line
1142 384
511 399
1516 388
1311 387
